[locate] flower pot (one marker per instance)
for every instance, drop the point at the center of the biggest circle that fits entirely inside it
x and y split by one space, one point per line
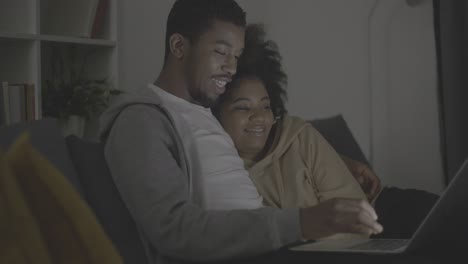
74 125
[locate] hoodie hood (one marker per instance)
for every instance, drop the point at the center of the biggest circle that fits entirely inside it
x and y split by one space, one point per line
286 131
140 96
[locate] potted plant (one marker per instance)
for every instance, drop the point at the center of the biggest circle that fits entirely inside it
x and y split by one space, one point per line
70 96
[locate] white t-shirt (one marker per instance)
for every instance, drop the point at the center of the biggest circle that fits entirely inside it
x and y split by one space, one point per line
220 180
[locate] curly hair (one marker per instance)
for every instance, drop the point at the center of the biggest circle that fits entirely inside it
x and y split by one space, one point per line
261 60
191 18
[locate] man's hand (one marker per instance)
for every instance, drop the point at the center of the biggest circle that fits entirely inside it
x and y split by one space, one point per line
370 183
339 215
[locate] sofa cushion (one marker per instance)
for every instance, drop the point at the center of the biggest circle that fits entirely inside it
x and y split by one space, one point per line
46 137
336 131
104 198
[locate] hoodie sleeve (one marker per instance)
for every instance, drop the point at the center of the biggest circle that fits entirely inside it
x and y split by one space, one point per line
142 156
328 171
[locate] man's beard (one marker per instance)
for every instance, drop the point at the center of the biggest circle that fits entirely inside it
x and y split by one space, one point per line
202 98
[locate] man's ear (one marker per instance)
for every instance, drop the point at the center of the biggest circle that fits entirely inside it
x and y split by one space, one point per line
178 45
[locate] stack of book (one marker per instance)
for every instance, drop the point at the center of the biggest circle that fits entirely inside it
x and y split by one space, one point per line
18 103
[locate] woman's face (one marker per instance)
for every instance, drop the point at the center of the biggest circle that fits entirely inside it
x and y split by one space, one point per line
247 117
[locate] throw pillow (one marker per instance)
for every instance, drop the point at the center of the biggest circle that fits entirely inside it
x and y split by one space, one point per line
336 131
20 237
46 137
68 227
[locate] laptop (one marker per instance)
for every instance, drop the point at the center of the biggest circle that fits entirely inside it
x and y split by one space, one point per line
443 225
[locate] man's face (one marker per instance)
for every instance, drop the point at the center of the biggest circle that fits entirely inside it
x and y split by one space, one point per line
212 61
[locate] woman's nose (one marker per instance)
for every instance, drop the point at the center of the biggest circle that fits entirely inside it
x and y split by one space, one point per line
257 116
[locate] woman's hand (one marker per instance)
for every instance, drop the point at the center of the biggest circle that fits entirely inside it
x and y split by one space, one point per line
369 181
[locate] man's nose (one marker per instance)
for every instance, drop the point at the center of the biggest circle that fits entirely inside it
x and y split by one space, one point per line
230 65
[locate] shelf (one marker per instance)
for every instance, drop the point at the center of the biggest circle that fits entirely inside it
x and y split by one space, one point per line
28 47
58 39
75 40
17 36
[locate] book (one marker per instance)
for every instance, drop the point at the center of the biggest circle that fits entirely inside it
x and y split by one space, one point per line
21 101
30 102
101 13
2 112
69 17
5 103
16 96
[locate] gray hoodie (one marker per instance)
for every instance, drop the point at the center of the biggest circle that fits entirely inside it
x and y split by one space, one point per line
148 164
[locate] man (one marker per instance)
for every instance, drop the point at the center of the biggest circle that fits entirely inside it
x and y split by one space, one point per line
148 149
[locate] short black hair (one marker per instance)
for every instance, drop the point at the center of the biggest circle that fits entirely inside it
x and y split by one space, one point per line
261 60
191 18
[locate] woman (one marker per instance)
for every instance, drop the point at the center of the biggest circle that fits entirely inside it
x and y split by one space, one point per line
291 164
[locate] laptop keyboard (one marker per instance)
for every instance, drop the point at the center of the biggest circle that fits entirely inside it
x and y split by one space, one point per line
381 244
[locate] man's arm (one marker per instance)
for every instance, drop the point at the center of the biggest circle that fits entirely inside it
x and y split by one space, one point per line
339 215
140 152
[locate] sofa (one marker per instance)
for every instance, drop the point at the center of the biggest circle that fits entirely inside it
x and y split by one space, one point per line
83 164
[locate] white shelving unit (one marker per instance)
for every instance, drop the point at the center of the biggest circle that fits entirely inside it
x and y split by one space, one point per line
26 47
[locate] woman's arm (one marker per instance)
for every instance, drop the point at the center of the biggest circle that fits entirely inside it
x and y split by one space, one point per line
369 181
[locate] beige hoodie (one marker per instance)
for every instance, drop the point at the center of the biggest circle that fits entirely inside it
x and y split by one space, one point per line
301 169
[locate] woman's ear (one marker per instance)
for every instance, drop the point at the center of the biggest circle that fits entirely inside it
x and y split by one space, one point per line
177 45
276 118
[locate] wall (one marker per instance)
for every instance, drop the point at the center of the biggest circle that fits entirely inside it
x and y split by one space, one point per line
404 95
376 68
141 39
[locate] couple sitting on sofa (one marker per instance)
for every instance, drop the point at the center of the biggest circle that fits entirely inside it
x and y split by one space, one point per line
178 172
157 139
